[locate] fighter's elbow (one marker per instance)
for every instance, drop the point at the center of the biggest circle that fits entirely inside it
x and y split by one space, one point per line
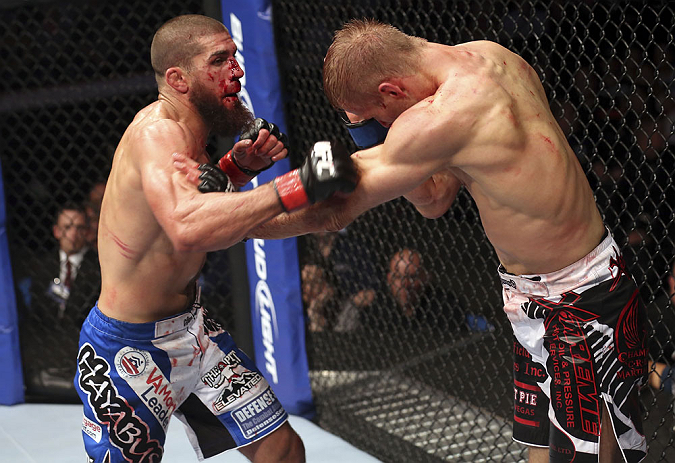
334 224
184 235
184 241
333 215
433 210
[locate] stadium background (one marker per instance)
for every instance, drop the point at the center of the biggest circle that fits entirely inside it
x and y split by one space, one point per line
74 74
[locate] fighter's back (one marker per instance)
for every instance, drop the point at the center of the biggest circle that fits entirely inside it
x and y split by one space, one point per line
143 277
535 202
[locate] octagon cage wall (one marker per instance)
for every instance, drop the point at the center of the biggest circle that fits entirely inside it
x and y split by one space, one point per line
410 353
429 379
74 74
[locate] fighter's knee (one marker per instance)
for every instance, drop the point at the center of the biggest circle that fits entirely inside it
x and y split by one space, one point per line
282 446
537 454
296 449
290 448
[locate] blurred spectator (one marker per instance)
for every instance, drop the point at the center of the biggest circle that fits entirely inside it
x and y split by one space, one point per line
406 279
662 346
96 195
66 283
408 299
335 275
64 286
318 296
93 209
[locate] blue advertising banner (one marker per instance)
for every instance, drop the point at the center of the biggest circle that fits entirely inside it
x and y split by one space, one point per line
273 269
11 376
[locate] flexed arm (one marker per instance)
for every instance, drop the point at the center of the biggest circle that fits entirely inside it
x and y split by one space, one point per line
434 197
408 163
204 222
413 164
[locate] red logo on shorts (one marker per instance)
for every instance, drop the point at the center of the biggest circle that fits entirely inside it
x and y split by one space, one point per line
617 264
133 363
629 325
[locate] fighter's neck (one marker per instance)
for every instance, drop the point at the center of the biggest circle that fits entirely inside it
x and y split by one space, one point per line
431 76
185 113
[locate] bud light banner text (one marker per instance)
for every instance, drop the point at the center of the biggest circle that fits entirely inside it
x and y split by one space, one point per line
273 270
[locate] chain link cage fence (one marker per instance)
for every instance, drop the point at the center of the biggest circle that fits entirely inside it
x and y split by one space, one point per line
74 74
429 379
424 379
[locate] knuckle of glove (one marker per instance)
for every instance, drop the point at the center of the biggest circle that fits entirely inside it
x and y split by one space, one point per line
283 139
252 130
274 130
213 180
205 186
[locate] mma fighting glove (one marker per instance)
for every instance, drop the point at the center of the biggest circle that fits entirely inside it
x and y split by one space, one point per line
328 169
213 180
238 174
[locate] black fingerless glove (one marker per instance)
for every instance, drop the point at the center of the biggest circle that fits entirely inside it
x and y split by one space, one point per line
213 180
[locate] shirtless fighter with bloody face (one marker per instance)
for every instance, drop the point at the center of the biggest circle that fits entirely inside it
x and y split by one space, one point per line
148 350
475 115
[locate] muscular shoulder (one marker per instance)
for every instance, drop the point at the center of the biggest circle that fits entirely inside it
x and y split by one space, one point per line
426 135
447 116
487 49
155 126
155 141
489 45
163 132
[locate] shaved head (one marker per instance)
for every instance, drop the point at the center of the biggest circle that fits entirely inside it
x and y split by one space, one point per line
177 41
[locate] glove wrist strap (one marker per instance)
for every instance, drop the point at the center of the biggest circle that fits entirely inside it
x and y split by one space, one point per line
238 174
291 191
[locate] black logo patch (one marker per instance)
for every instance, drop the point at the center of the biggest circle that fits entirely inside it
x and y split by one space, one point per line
127 431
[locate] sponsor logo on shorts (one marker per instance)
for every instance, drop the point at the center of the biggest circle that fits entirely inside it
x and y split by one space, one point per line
617 266
211 326
259 414
131 362
174 324
233 377
91 429
126 430
526 398
630 339
574 392
510 283
149 384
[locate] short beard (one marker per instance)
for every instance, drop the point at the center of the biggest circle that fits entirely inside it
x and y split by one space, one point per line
220 121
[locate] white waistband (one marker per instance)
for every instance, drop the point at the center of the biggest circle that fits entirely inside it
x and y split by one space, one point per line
181 321
590 270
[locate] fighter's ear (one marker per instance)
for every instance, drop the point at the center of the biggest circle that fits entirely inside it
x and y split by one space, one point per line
175 77
391 89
